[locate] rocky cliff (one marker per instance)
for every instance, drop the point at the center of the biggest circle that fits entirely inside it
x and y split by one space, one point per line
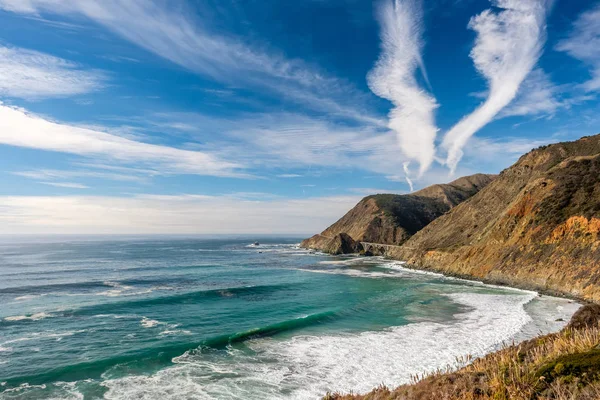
536 226
393 219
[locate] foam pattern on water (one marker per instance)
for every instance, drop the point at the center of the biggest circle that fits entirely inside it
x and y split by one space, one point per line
305 367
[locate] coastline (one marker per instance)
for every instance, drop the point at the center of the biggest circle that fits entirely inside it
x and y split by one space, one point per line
531 343
501 283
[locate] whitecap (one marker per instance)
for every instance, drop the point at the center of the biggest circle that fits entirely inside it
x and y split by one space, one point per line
30 297
150 323
33 317
169 332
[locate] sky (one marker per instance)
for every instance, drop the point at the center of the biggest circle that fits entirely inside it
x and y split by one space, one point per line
271 116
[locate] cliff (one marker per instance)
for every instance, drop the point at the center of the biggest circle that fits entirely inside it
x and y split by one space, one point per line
393 219
536 226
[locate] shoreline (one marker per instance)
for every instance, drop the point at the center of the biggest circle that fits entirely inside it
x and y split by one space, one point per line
487 281
514 285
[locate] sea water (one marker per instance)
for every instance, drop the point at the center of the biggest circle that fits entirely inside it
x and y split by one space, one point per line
197 318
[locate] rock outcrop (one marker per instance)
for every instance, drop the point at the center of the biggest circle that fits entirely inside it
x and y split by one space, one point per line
393 219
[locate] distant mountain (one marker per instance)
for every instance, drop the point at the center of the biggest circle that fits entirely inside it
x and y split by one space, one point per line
393 219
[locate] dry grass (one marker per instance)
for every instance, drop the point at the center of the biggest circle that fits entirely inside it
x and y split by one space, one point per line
561 366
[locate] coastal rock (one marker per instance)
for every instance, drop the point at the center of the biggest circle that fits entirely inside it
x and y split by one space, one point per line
587 316
343 244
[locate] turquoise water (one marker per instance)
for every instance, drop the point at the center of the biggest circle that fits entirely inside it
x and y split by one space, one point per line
152 318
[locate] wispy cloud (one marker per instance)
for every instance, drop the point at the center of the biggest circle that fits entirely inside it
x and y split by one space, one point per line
289 176
177 34
407 172
101 173
19 128
184 214
538 95
68 185
394 78
508 46
282 141
583 44
33 75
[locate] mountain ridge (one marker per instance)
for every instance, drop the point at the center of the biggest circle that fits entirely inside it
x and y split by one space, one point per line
534 226
392 219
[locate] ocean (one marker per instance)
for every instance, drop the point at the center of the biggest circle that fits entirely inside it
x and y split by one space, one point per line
197 318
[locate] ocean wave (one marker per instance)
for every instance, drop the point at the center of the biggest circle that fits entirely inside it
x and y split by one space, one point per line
185 297
308 366
32 317
170 332
30 297
150 323
270 330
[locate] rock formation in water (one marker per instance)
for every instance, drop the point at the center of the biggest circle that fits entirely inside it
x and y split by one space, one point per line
393 219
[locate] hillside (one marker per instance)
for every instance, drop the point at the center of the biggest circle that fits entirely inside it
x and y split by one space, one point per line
536 226
393 219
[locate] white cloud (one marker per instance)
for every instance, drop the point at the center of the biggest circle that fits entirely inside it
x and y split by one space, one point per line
69 185
34 75
407 172
290 140
538 95
393 78
584 44
19 128
289 176
176 34
47 175
508 46
500 153
185 214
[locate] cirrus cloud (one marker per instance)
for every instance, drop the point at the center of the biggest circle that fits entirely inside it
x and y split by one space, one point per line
507 48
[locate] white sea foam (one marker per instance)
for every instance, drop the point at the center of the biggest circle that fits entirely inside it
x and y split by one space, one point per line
170 332
33 317
121 290
44 335
309 366
150 323
30 297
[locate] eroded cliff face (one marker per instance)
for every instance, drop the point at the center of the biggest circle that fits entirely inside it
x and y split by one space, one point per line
393 219
536 226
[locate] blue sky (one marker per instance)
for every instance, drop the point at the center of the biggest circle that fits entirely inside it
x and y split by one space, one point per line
270 116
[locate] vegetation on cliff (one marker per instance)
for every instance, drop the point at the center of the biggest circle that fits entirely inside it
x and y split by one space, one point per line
560 366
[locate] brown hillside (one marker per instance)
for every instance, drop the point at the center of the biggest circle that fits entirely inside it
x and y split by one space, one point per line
536 226
392 219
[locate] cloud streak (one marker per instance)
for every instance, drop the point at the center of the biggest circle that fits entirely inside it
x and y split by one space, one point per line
33 75
394 78
175 33
583 44
507 48
21 129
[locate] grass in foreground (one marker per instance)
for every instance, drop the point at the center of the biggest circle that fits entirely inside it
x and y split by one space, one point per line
560 366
